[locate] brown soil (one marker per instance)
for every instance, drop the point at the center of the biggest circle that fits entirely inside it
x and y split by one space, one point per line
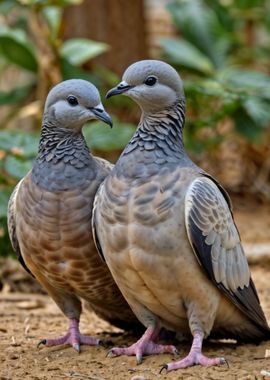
26 318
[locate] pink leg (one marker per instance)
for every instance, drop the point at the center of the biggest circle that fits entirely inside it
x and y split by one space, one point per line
144 346
195 356
72 337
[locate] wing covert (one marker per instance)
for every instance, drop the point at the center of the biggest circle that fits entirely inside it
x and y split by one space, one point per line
11 222
216 243
94 229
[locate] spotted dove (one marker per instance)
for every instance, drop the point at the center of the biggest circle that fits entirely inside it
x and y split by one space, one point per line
50 210
166 230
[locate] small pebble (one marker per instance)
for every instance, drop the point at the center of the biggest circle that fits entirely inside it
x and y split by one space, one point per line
265 373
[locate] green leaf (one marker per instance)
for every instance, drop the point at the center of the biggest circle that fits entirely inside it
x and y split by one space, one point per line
70 71
6 6
15 95
25 142
17 167
258 110
4 197
53 15
79 50
223 13
17 49
200 26
246 127
249 82
100 137
181 52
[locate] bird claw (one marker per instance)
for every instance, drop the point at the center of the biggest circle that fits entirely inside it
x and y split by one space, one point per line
101 343
164 367
111 354
139 358
42 342
224 361
77 347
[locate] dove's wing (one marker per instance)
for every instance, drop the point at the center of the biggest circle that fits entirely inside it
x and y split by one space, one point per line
95 223
216 243
11 221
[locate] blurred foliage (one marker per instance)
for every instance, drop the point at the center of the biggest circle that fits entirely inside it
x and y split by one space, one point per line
223 52
31 40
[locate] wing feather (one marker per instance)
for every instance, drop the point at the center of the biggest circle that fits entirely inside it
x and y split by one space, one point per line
11 222
107 167
216 243
94 225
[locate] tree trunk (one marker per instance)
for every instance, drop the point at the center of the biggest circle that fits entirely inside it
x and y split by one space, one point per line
119 23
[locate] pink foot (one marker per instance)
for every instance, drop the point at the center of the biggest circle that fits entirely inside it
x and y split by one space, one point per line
72 337
144 346
194 357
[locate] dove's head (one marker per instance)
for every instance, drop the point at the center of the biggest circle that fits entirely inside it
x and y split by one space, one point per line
153 84
72 103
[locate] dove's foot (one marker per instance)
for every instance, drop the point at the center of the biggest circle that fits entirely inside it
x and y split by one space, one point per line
194 357
144 346
72 337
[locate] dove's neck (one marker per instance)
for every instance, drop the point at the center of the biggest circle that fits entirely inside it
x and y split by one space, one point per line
63 161
62 144
157 143
161 131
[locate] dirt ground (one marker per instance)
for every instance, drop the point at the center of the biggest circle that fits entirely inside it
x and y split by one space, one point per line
27 318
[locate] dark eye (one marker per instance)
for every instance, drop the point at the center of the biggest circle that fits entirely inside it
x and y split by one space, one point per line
150 81
72 100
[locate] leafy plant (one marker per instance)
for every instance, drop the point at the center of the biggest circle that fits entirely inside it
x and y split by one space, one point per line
31 40
225 66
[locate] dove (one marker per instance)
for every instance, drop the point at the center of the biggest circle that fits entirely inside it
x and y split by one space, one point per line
166 230
50 210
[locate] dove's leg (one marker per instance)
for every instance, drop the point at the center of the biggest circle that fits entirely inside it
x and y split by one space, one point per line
195 356
144 346
200 324
71 308
72 337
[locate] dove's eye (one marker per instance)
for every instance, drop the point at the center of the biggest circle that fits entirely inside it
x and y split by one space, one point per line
72 100
150 81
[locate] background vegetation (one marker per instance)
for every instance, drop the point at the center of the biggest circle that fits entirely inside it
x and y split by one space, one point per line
220 47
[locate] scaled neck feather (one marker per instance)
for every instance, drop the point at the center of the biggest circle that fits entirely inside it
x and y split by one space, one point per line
63 161
156 144
62 144
160 131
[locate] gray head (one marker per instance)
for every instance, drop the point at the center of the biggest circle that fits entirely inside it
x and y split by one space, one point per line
153 84
70 104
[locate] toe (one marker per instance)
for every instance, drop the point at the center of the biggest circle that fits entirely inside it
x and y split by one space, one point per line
139 357
77 347
112 353
42 342
163 368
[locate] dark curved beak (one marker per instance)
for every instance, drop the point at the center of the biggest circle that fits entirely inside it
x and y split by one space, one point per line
120 89
102 115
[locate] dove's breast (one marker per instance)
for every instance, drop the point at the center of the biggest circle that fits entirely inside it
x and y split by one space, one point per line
54 233
140 229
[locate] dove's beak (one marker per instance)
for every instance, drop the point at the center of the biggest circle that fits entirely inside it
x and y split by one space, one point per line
102 115
120 89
